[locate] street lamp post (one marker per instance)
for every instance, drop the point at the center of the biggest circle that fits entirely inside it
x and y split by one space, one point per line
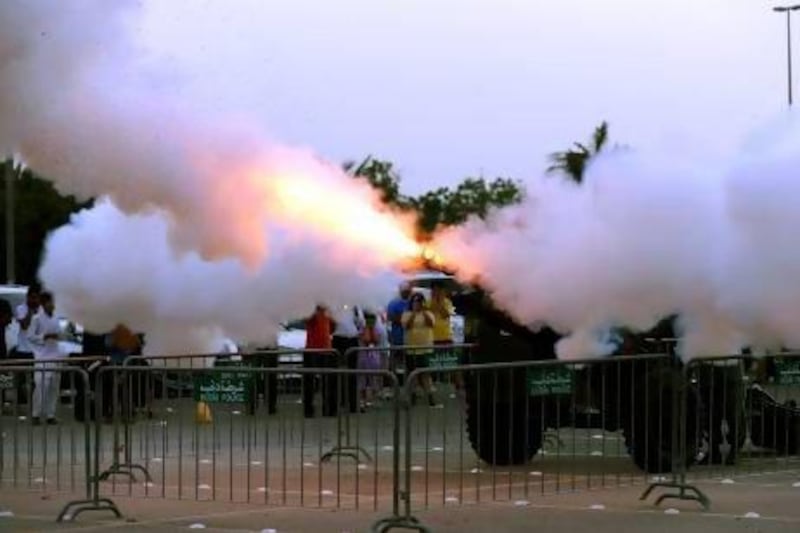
788 10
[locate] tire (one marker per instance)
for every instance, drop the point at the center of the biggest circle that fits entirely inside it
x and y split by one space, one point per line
504 434
773 425
648 432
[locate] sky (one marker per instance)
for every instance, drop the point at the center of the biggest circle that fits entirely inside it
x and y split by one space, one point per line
450 88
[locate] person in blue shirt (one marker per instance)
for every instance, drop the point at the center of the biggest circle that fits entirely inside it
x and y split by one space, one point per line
394 318
394 315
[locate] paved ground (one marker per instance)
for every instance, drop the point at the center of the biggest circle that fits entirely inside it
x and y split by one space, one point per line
763 503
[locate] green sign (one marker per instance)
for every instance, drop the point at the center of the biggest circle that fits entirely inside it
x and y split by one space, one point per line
551 380
443 359
787 371
223 386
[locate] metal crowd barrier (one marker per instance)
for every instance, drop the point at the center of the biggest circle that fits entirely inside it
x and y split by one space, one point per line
739 417
244 428
54 454
219 439
518 429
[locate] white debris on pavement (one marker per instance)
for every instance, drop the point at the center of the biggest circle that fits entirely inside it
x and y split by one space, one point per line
536 473
752 514
326 492
204 487
727 481
672 510
417 468
597 507
6 514
197 526
521 503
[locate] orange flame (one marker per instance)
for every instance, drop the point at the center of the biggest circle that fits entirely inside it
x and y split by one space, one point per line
348 213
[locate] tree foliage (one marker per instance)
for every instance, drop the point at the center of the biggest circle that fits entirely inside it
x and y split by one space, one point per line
573 162
444 206
38 209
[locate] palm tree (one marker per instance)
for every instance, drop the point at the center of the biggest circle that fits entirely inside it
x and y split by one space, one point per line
573 162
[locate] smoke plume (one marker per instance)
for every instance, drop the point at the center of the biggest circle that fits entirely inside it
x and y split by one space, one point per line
648 235
203 226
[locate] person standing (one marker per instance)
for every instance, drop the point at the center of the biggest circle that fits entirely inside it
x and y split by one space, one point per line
319 327
372 336
43 334
122 343
394 316
6 316
349 322
6 381
443 310
418 323
24 314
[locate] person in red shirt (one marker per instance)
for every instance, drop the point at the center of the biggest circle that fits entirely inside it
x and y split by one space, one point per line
319 328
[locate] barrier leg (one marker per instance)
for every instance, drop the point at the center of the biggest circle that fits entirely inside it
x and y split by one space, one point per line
346 449
684 491
93 502
127 467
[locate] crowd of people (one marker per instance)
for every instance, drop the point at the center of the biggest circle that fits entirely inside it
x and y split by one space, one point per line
410 322
37 342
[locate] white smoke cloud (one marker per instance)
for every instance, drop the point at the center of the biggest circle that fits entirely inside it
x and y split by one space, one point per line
107 265
205 226
646 236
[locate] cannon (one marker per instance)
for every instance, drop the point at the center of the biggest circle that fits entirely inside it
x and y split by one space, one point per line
508 410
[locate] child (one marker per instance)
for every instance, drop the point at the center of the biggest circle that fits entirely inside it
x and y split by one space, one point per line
373 335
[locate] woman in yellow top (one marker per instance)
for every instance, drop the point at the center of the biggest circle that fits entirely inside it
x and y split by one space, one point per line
443 309
418 324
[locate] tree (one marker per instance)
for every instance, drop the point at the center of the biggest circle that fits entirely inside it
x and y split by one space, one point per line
382 176
440 207
573 162
471 197
39 209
